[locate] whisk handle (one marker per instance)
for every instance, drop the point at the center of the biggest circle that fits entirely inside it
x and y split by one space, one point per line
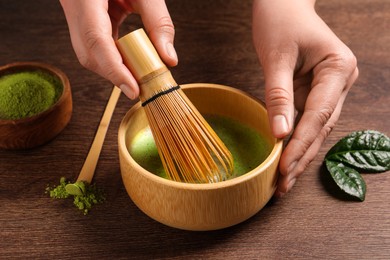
142 59
140 56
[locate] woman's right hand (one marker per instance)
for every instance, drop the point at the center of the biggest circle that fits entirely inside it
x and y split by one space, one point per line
94 26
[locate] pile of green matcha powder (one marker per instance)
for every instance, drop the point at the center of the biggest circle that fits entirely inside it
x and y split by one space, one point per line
90 196
25 94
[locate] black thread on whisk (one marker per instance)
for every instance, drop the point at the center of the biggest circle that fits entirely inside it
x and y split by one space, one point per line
159 94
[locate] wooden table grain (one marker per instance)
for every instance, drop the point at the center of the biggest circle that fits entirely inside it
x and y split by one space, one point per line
213 41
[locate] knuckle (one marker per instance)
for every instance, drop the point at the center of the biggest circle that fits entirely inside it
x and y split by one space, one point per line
302 144
92 39
344 61
110 73
327 129
165 26
323 115
278 96
86 61
280 56
311 148
302 165
93 43
355 74
274 55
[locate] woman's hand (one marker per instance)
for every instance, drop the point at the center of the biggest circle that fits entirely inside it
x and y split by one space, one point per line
305 66
94 25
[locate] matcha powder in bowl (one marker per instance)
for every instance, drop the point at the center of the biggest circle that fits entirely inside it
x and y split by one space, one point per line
27 93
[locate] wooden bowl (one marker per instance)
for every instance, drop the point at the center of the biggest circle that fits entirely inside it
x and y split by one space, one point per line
36 130
202 206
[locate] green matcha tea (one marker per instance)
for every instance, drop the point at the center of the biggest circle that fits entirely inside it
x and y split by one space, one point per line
27 93
248 147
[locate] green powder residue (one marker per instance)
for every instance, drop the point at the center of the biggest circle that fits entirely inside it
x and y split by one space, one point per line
91 195
248 147
28 93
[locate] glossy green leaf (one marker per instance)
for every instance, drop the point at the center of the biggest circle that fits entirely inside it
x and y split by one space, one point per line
365 151
348 179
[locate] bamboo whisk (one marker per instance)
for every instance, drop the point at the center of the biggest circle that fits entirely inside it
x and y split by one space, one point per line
189 149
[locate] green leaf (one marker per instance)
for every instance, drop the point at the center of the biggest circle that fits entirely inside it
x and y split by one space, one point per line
365 151
348 179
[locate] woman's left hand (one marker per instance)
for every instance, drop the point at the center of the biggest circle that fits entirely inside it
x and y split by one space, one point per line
307 68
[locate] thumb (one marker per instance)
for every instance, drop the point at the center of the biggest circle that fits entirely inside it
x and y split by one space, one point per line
159 26
279 96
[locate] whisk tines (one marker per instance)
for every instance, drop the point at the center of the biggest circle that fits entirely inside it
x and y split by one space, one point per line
189 148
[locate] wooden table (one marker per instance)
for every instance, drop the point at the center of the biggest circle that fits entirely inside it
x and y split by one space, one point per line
213 40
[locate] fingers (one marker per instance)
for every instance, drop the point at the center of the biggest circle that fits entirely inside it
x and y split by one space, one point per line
91 35
305 67
279 93
92 25
291 166
158 24
321 113
278 55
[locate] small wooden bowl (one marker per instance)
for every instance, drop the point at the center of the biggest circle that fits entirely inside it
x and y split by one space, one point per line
202 206
38 129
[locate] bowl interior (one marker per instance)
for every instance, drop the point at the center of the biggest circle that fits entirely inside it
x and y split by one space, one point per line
210 99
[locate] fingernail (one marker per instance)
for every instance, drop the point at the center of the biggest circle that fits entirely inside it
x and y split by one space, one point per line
171 51
291 184
279 194
127 91
291 167
280 126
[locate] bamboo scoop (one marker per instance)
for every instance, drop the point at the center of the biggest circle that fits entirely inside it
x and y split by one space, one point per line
189 149
88 169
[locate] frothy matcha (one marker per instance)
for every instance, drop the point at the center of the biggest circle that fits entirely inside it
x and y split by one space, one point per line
248 147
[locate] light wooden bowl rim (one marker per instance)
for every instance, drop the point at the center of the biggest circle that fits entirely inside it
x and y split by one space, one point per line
33 65
278 146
